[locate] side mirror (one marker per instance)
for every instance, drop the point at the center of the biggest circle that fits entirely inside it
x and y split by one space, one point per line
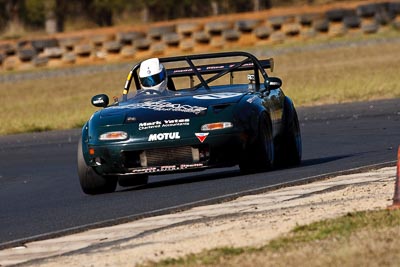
100 101
272 83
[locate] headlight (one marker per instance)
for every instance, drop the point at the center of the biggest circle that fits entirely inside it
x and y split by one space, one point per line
216 126
119 135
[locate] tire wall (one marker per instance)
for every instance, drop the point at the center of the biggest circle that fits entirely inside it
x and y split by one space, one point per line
269 27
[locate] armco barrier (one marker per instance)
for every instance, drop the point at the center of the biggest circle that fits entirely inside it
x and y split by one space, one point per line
200 35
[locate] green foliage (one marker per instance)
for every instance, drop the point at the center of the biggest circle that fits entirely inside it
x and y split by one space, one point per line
3 15
210 257
34 13
340 228
102 12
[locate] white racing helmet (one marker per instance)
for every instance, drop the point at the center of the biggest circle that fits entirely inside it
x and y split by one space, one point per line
153 75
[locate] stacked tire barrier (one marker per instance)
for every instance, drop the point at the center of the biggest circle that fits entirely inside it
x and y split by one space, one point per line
200 35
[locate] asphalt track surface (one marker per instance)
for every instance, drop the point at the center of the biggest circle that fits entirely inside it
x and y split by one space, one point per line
40 194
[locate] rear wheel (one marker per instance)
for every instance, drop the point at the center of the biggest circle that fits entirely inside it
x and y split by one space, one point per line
288 145
259 156
91 182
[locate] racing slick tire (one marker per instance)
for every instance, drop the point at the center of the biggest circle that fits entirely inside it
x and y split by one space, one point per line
259 156
288 146
91 182
133 180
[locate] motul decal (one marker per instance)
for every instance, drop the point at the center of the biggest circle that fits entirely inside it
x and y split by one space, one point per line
201 136
164 136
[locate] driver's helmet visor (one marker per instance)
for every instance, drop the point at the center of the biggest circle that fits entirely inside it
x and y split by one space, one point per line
153 80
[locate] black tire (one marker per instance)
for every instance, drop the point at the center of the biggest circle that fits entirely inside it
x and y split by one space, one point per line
288 145
247 25
91 182
113 47
352 22
187 28
231 35
259 156
276 22
26 54
100 39
69 42
142 44
40 45
39 61
217 27
83 50
201 37
336 14
382 17
156 32
394 8
263 32
133 180
127 38
321 25
171 39
307 19
291 29
370 28
367 10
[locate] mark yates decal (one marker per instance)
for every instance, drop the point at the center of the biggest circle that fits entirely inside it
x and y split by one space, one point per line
216 96
163 105
164 123
201 136
164 136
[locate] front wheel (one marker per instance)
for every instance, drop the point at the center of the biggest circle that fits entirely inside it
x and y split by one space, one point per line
289 146
259 156
91 182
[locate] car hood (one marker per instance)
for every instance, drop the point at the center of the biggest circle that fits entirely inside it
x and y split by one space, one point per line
174 107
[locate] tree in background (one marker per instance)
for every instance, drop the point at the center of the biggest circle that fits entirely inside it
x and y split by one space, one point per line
102 11
51 15
12 8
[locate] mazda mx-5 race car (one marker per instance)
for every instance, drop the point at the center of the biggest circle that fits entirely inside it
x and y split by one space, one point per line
220 109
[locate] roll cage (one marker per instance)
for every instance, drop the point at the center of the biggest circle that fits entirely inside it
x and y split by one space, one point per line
250 62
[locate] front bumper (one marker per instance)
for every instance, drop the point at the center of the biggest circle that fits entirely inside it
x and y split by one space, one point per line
169 156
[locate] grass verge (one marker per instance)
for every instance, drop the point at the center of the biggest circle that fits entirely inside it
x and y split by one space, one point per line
357 239
312 77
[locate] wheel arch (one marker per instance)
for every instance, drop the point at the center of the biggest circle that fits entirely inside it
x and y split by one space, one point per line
84 142
288 109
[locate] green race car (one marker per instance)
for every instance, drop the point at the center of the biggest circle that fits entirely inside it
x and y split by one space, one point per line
218 110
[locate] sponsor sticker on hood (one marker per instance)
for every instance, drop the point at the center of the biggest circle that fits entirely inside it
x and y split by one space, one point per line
216 96
164 136
163 105
163 123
